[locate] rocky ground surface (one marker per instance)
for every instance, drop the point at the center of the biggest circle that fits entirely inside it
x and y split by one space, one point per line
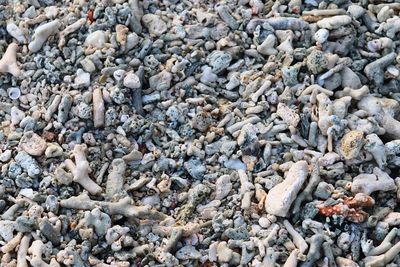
199 133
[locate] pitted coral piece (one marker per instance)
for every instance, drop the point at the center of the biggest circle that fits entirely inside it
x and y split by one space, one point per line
350 208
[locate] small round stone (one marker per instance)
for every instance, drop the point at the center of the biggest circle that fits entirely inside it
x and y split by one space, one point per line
264 222
321 36
132 81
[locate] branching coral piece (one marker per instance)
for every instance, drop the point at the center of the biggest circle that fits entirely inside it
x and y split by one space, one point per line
81 170
377 181
42 33
298 240
341 209
327 247
246 189
308 191
334 22
280 197
12 243
8 63
98 263
196 195
375 70
99 220
344 262
325 110
36 250
383 259
123 207
350 208
359 201
292 259
70 29
176 235
69 256
188 229
314 253
375 146
383 247
356 94
271 257
384 111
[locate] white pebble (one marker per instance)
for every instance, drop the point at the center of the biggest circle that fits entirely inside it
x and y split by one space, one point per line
321 36
5 156
132 81
26 192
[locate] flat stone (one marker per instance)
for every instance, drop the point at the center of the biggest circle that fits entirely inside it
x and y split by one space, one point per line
154 24
47 229
161 81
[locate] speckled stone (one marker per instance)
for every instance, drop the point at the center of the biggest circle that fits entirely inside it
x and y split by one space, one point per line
317 62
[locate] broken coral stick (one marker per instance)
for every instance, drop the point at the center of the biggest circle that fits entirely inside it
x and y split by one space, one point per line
123 207
8 63
80 170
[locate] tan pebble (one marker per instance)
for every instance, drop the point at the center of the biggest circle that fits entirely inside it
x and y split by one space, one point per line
134 155
53 151
121 30
164 185
33 144
351 144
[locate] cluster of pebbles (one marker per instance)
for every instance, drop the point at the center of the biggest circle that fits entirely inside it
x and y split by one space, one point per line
199 133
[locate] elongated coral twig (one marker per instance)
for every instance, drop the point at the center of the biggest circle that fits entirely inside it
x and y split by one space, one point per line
123 207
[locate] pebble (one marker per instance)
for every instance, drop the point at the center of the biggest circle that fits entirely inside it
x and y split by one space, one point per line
187 253
6 155
132 81
28 163
14 93
16 32
264 222
321 36
155 25
27 192
82 79
317 61
88 65
132 40
219 61
202 121
223 187
33 144
96 39
161 81
30 13
195 169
